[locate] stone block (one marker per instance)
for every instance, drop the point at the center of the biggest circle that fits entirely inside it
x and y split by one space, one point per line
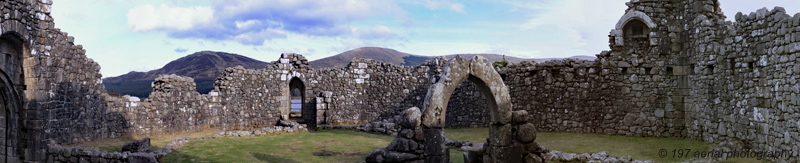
520 116
511 153
141 145
142 158
659 113
434 141
681 70
412 118
400 157
500 135
534 147
526 133
533 158
376 156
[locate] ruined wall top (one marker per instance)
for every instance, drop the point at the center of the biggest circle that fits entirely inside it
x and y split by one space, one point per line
173 83
291 61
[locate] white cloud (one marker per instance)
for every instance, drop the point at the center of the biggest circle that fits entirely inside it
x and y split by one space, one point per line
581 24
252 22
247 24
376 32
257 37
443 4
147 18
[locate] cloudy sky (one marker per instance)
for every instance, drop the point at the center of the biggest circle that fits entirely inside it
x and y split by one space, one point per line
142 35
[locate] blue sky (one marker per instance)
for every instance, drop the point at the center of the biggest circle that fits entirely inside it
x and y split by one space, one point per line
142 35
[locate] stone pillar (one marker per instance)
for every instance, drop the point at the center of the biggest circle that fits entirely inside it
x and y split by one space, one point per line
436 150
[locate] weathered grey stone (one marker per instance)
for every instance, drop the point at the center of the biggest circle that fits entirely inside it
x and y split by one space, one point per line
500 135
520 116
532 158
141 145
407 133
142 158
659 113
534 147
412 117
400 157
376 156
511 153
731 72
526 133
434 142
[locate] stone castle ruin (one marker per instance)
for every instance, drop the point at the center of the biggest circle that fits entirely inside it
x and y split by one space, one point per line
675 69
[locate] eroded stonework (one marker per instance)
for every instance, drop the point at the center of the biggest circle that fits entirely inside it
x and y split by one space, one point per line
675 68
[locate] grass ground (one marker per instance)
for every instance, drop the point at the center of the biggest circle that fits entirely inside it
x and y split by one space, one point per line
351 146
323 146
156 142
638 148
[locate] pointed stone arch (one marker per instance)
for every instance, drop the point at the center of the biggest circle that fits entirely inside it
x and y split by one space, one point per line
480 71
13 52
292 81
633 15
511 137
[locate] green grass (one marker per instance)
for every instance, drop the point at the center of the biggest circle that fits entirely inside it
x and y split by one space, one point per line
351 146
156 142
340 145
639 148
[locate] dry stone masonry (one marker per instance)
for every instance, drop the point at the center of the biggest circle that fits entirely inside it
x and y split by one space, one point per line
674 69
421 139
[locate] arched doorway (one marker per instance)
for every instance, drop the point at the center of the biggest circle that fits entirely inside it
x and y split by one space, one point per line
489 82
300 111
11 79
510 138
5 105
467 106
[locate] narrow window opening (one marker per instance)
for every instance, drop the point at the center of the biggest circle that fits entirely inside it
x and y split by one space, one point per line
750 65
669 71
647 70
710 69
638 30
731 64
533 72
624 70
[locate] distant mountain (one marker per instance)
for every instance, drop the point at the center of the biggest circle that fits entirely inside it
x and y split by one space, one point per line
374 53
492 57
203 66
401 58
582 57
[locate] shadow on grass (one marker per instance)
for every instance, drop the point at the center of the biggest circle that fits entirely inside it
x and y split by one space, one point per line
178 156
271 158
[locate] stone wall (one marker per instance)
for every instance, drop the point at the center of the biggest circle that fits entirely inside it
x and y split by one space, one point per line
51 90
690 74
174 106
675 68
362 92
243 99
468 107
745 79
57 154
249 100
568 95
